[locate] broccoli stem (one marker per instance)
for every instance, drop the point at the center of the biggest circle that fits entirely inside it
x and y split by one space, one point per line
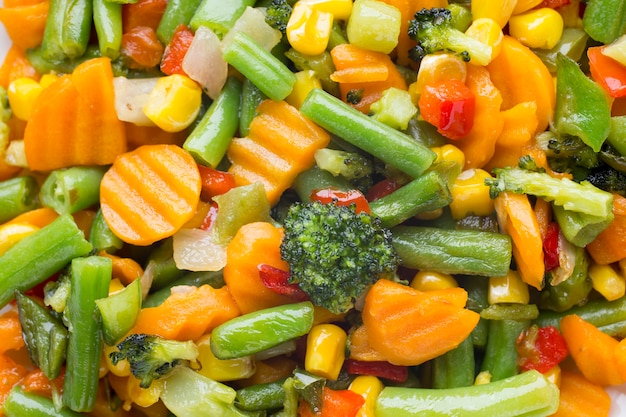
384 142
528 394
469 252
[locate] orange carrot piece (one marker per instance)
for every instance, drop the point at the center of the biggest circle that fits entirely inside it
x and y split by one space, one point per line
254 244
10 333
150 193
608 246
137 136
25 24
11 373
620 358
74 121
39 217
360 347
581 397
281 144
410 327
84 219
125 269
37 383
16 65
354 65
143 13
592 350
517 219
187 315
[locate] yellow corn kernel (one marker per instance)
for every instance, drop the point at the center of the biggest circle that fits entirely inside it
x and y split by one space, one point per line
308 29
115 286
498 10
374 25
340 9
487 31
48 79
607 281
325 350
470 195
538 28
122 368
144 397
554 375
369 387
305 82
508 289
12 233
437 67
431 280
449 152
23 93
174 102
222 369
522 6
483 377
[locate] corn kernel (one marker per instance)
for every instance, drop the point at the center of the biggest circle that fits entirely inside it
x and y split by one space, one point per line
487 31
374 25
308 29
115 286
483 377
554 375
431 280
470 195
325 350
508 289
144 397
23 93
340 9
12 233
48 79
369 387
498 10
437 67
122 368
174 102
305 82
607 281
449 152
223 369
522 6
15 154
538 28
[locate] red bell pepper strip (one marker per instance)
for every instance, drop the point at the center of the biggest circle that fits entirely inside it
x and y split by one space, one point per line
344 403
381 369
551 247
277 280
215 182
607 72
553 4
382 189
210 217
341 198
449 106
541 348
172 62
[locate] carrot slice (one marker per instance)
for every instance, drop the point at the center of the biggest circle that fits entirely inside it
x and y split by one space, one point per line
39 217
11 373
16 65
25 24
10 333
74 121
581 397
150 193
608 246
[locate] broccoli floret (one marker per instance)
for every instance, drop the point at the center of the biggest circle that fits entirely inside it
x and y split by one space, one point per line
433 31
152 357
334 254
608 179
278 14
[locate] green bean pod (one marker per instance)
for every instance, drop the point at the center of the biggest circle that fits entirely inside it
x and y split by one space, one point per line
219 15
18 195
267 396
107 17
455 368
20 403
501 353
72 189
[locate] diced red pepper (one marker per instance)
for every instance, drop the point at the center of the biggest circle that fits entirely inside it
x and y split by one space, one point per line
541 348
175 51
344 403
210 217
382 189
215 182
341 198
141 48
607 72
381 369
551 247
143 13
449 106
277 280
553 4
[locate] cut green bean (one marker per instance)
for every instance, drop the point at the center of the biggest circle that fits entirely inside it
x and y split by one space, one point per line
455 368
20 404
51 49
102 237
107 17
196 279
267 72
425 193
89 280
211 137
119 312
18 195
501 353
219 15
510 312
177 12
72 189
469 252
528 394
76 30
251 97
267 396
40 255
477 300
384 142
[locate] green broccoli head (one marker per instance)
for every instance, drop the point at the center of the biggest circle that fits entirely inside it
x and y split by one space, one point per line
334 254
278 14
152 357
433 30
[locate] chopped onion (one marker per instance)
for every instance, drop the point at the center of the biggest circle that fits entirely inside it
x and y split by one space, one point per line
204 63
252 22
131 95
197 250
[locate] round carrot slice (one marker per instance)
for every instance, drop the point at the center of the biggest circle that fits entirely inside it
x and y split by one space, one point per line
149 193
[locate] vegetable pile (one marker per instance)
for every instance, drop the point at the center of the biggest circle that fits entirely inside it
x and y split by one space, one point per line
312 208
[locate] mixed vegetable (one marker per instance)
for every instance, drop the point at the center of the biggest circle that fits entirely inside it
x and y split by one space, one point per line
312 208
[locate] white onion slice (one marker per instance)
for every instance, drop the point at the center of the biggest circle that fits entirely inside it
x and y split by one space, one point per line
131 95
252 22
197 250
204 63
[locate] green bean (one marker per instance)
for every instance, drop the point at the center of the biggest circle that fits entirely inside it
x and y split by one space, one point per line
268 396
51 49
18 195
209 140
69 190
40 255
315 178
510 312
455 368
102 237
501 353
119 312
20 404
89 280
78 16
161 265
219 15
107 17
477 300
177 12
251 97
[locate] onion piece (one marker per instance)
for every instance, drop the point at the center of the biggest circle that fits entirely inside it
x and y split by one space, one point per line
252 22
131 95
204 63
197 250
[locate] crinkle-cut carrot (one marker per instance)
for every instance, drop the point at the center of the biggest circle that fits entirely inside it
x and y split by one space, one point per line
10 333
25 23
187 315
281 143
11 373
592 350
39 217
74 121
360 348
580 397
410 327
15 66
517 219
137 136
608 246
361 71
254 244
150 193
125 269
